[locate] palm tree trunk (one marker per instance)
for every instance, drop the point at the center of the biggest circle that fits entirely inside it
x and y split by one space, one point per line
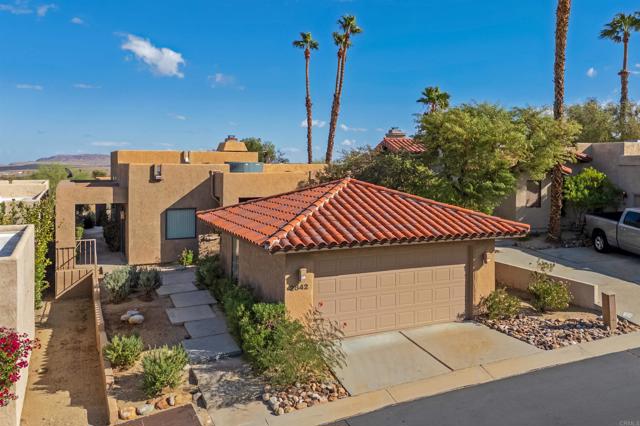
335 108
624 90
562 26
307 57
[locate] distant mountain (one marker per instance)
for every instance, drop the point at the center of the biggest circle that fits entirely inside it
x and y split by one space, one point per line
78 159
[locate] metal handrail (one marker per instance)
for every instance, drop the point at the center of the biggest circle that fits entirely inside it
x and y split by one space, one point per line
84 253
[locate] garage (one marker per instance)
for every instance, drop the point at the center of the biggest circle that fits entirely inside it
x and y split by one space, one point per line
368 258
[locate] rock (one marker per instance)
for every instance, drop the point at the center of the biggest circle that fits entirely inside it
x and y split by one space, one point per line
171 400
288 409
266 397
130 313
315 396
136 319
301 405
195 397
280 411
145 409
162 404
267 388
273 400
127 413
124 317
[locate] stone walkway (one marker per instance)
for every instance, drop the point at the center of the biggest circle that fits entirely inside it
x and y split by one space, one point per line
196 310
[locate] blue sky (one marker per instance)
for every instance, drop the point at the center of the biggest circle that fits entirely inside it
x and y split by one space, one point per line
94 76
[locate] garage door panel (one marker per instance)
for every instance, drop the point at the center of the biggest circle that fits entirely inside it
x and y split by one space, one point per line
392 299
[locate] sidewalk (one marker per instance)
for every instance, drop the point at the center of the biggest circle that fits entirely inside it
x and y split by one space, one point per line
584 264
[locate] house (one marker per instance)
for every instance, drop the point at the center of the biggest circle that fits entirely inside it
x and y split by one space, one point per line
154 196
368 257
395 140
25 191
17 276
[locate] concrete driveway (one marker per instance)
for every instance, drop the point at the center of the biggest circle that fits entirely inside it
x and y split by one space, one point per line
386 359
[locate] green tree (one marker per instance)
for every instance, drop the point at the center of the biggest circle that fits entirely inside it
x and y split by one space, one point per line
563 11
590 190
343 40
434 99
619 31
55 173
307 43
598 121
267 152
98 173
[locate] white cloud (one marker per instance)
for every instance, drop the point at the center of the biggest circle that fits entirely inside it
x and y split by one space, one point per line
379 129
162 61
346 128
77 21
591 72
25 86
314 123
291 149
224 80
109 143
349 142
42 10
177 116
17 8
86 86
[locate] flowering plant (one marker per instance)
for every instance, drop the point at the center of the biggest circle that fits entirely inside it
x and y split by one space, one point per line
14 351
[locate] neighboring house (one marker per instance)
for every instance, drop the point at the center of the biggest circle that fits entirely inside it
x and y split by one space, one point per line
17 277
395 140
155 195
26 191
530 202
371 258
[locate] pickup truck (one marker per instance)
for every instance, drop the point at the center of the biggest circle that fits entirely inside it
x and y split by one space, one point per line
617 229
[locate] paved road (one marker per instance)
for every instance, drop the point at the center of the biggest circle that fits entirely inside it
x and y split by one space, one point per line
599 391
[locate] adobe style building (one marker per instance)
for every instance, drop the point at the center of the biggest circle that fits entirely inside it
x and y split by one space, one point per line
155 195
367 257
25 191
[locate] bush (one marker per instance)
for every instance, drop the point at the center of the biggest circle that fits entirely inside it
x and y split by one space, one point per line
500 304
111 233
150 279
162 368
588 191
208 270
283 349
117 285
14 356
133 276
79 232
101 217
89 220
186 257
548 294
123 351
236 301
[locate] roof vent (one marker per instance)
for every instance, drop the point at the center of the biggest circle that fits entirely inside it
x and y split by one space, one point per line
395 132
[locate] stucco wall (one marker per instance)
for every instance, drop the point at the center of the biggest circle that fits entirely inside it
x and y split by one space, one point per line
261 271
23 190
514 207
16 305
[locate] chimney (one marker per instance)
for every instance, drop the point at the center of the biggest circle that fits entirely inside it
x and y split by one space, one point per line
232 144
395 132
231 138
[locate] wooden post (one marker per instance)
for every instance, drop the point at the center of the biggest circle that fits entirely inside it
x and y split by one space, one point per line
609 314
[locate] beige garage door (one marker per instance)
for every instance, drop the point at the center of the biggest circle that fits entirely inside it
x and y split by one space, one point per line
390 300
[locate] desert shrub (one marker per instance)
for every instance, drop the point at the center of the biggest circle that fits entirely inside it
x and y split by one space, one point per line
548 294
162 367
150 279
89 220
79 232
117 285
133 276
123 351
500 304
111 233
208 269
283 349
236 301
186 257
102 218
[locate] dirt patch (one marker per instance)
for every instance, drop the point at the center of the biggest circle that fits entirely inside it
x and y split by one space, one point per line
64 386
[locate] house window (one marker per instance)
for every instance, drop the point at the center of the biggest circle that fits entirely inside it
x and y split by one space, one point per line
534 193
181 223
235 251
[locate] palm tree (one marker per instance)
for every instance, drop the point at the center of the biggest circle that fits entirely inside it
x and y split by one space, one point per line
307 43
619 31
343 40
434 99
562 26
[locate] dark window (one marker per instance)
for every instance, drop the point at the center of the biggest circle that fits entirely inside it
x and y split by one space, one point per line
181 224
534 193
235 251
632 219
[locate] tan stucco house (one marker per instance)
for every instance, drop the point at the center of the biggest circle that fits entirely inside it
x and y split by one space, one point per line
155 195
368 257
23 191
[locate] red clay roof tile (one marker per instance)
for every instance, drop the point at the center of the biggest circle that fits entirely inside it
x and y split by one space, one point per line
348 213
396 144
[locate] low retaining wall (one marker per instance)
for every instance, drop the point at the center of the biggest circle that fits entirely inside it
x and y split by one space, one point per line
585 295
105 366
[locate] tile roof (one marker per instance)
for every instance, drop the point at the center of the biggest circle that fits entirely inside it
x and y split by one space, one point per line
396 144
348 213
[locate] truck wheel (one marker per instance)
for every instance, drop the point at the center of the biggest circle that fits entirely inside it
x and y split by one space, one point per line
600 242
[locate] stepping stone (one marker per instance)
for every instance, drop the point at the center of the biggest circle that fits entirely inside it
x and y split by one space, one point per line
175 277
211 348
179 316
206 327
167 289
192 298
